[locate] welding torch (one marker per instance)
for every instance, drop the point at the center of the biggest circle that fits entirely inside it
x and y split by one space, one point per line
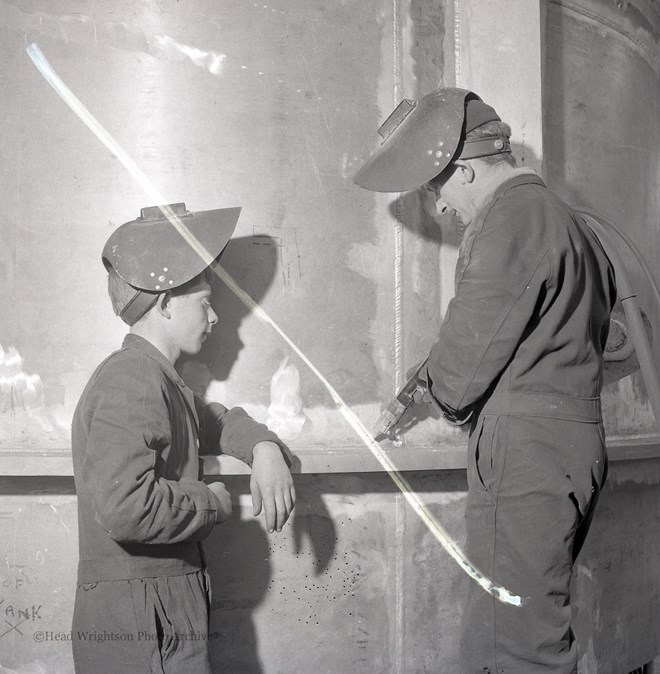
413 391
416 391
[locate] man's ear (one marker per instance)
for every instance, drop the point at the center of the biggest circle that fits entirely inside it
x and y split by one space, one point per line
163 304
466 169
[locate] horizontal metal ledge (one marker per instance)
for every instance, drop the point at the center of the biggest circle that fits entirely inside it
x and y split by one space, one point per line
348 459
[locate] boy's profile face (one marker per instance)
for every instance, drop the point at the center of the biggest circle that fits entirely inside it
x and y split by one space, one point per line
191 318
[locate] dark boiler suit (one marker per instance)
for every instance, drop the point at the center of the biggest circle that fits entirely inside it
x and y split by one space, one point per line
142 601
521 345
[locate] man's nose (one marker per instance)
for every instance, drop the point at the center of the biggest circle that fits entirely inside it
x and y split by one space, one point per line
212 316
441 207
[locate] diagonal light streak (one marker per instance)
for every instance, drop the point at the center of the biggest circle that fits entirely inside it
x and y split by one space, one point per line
363 433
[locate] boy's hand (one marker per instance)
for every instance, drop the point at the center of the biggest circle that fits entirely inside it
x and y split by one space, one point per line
222 501
271 485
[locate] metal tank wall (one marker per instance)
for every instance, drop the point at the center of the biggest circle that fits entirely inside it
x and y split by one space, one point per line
602 146
270 105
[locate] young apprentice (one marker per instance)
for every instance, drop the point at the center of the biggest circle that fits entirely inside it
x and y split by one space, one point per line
521 351
143 594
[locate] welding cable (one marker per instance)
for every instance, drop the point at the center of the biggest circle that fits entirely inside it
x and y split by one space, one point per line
604 220
630 305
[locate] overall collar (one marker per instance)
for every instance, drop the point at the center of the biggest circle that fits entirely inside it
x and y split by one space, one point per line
519 176
133 341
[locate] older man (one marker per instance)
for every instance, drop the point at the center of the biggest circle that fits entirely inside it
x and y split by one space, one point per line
521 350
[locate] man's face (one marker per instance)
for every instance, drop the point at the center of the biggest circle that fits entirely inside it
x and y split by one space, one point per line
448 195
192 318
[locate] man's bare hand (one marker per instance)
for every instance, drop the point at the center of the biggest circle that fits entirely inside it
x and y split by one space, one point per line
271 485
222 501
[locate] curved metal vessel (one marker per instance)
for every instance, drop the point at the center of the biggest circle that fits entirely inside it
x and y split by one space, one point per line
602 143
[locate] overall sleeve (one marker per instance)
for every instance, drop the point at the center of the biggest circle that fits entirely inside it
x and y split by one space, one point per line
128 427
231 431
500 278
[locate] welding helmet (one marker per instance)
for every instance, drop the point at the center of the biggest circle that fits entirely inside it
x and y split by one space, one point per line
152 256
422 137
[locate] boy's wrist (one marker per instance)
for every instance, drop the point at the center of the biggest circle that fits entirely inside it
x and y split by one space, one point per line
265 447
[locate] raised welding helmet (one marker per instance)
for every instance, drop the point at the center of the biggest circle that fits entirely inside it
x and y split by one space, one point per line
422 137
152 255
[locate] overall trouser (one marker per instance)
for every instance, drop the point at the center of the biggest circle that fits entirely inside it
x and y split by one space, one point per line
143 625
533 484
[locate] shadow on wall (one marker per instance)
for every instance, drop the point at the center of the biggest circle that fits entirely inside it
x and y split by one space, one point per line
239 557
416 211
239 553
247 565
252 263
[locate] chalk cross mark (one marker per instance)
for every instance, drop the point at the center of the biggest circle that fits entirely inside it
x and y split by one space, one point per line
13 628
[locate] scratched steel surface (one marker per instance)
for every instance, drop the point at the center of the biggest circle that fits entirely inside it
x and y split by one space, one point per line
37 582
266 105
616 585
354 584
219 117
